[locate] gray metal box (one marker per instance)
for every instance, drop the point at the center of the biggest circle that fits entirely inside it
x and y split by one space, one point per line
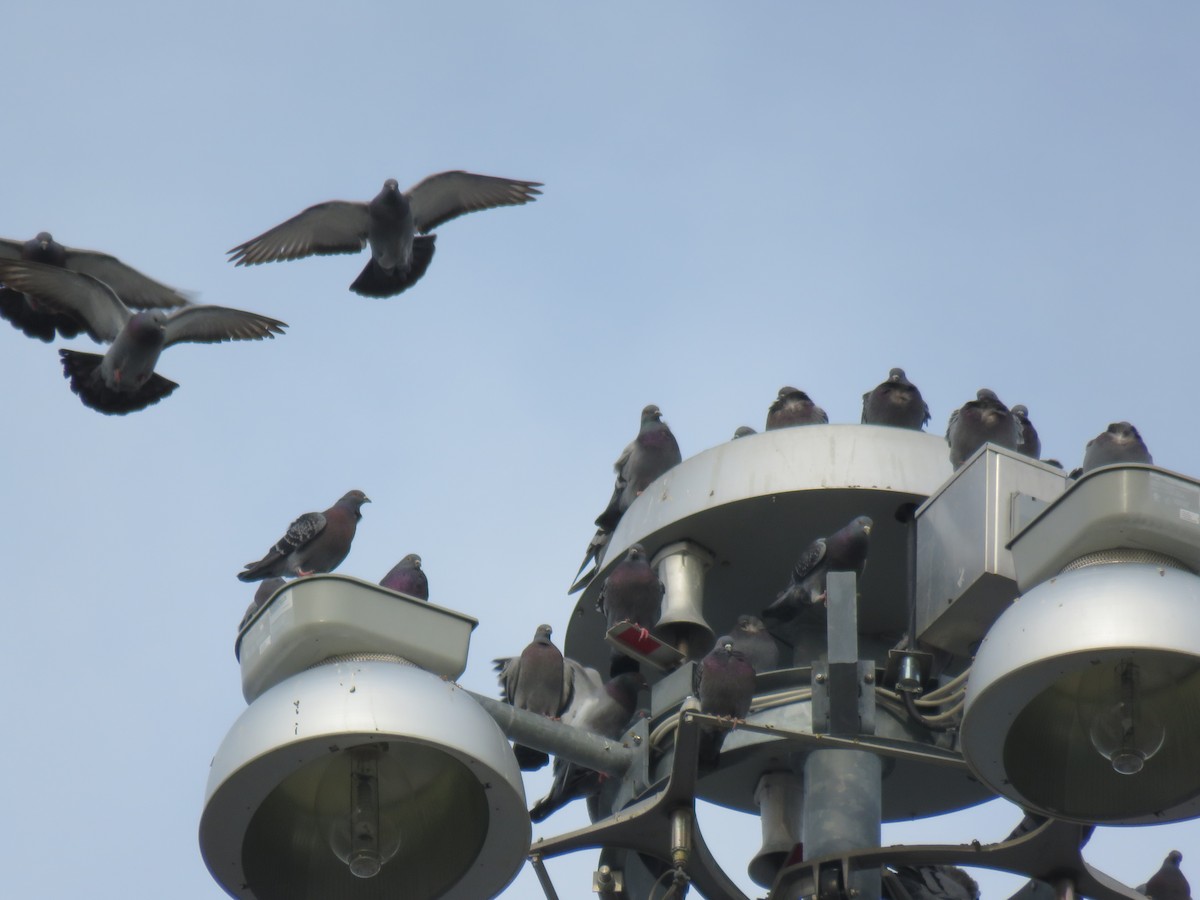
965 574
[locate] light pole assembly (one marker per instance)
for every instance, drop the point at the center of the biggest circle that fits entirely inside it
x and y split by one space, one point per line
1014 633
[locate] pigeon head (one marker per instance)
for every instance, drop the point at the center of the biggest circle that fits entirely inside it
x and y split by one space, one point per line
1175 857
897 376
651 413
542 635
412 561
750 624
391 185
354 499
636 552
1020 410
743 431
1124 430
788 391
865 523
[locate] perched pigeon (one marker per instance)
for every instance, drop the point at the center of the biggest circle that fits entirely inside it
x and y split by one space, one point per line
647 456
631 593
265 591
406 577
1029 443
538 681
724 683
315 542
932 883
1168 883
607 715
793 407
1119 443
843 551
123 380
40 321
980 421
396 224
751 638
896 402
743 431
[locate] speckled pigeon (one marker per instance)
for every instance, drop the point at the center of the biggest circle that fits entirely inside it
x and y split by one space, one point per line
315 542
607 715
751 638
980 421
896 402
1119 443
743 431
41 321
396 224
123 380
266 590
649 455
843 551
539 681
1029 443
407 577
793 407
724 683
631 593
1169 882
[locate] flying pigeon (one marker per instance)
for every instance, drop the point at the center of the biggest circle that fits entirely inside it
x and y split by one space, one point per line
793 407
843 551
40 321
647 456
1029 443
407 577
631 593
1168 883
980 421
266 590
743 431
539 681
396 224
896 402
607 715
315 542
123 380
751 638
1119 443
724 683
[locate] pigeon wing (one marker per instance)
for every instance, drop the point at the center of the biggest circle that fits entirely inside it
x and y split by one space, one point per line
213 324
807 564
10 249
448 195
338 226
73 293
136 290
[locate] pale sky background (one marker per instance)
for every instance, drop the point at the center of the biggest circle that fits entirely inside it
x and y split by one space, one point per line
737 197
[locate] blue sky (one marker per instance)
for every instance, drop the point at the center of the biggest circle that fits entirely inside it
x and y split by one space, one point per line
737 197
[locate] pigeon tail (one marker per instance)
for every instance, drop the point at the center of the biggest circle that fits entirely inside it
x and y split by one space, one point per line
83 371
273 565
376 281
529 759
35 323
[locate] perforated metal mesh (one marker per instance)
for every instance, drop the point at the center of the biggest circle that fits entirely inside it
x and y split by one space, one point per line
1124 555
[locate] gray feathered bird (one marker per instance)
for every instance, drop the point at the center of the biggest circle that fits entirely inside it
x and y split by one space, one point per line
724 683
538 680
1119 443
794 407
37 320
743 431
896 402
315 542
843 551
123 380
407 577
650 454
751 638
1029 443
606 712
396 224
1169 882
980 421
265 591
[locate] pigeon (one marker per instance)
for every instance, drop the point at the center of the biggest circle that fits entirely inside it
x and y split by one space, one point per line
123 380
315 542
1168 883
724 683
793 407
743 431
932 883
1029 444
843 551
606 714
266 590
43 322
751 638
406 577
396 224
538 681
631 593
980 421
647 456
896 402
1119 443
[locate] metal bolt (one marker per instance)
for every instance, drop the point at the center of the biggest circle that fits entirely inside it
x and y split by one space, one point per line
820 678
